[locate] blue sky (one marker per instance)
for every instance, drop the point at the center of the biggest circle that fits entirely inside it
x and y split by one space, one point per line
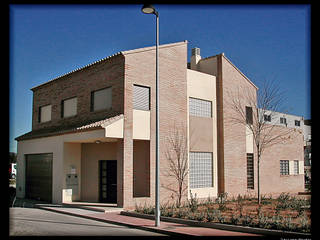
263 41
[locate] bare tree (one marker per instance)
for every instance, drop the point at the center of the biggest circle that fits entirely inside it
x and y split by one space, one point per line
263 125
176 153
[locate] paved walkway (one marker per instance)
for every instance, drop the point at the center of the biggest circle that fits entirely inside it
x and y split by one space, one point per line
146 224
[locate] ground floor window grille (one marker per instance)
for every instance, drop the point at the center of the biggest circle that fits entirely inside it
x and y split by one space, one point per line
201 169
250 171
284 167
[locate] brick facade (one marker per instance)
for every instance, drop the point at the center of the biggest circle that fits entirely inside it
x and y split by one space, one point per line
235 158
127 68
231 139
140 69
271 180
109 72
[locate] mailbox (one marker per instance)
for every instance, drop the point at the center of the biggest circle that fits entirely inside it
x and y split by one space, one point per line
72 183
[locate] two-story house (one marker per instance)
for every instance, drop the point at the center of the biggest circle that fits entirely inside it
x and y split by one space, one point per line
93 132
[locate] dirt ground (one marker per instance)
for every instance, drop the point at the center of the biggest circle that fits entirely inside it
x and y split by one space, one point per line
251 208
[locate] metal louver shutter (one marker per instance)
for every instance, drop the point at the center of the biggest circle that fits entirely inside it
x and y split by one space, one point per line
141 98
250 171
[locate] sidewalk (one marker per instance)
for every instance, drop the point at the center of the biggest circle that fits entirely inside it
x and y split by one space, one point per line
169 228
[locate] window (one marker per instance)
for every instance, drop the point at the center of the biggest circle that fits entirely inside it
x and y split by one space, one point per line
200 108
141 98
250 171
69 107
201 169
267 118
249 119
44 114
283 120
297 123
101 99
296 167
284 167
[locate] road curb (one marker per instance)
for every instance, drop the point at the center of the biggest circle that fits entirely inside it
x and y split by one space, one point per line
221 226
170 233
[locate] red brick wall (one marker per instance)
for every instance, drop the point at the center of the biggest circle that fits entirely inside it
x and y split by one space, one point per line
140 69
109 72
235 158
234 84
271 180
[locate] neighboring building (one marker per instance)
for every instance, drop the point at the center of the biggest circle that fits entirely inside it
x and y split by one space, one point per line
93 132
307 152
291 165
285 119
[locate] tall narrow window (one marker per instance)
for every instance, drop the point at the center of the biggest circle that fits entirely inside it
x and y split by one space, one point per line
249 119
201 168
200 107
69 107
250 171
44 114
141 98
101 99
296 167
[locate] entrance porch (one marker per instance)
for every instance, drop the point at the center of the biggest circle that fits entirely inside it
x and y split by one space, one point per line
93 163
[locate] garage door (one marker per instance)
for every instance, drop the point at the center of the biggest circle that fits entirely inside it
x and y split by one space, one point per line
39 176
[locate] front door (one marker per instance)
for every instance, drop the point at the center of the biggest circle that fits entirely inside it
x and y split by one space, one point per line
108 181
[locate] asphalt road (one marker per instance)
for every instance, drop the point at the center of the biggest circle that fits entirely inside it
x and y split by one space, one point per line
38 222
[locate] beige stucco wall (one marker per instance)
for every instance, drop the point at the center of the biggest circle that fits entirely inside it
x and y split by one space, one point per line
91 153
114 130
72 165
202 132
66 151
34 146
141 124
249 140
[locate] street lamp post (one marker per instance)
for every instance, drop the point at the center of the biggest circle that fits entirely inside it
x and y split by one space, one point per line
149 9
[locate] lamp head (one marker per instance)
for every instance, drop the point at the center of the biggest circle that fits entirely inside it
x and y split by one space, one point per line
148 9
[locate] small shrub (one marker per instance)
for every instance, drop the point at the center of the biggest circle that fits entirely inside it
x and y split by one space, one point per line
210 215
298 204
305 226
148 210
266 200
221 219
263 221
216 213
193 202
191 216
180 213
235 219
246 220
288 225
221 200
167 212
138 209
275 222
283 201
200 216
209 201
240 203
